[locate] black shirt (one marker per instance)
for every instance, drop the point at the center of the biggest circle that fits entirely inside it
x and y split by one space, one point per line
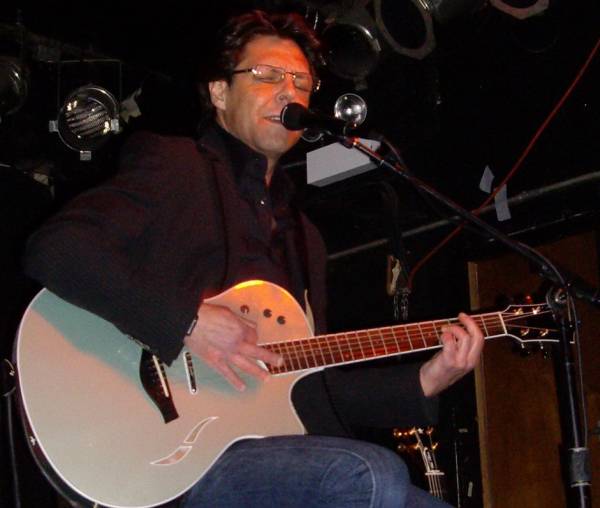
271 249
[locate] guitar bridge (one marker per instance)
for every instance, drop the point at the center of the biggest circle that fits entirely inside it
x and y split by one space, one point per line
156 385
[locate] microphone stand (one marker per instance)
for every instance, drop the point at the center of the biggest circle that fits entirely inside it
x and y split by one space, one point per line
571 400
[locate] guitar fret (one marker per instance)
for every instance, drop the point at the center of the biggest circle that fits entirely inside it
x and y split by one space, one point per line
398 334
332 358
374 351
408 337
304 355
342 355
448 322
383 341
366 345
437 329
313 350
348 352
332 350
485 329
317 352
273 369
502 323
428 334
421 333
283 352
297 353
397 341
358 341
348 348
377 344
308 354
340 348
291 357
367 342
410 330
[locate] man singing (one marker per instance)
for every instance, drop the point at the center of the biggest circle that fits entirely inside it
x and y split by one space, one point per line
185 219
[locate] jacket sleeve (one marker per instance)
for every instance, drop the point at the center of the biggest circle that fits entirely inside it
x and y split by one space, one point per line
372 394
95 252
384 393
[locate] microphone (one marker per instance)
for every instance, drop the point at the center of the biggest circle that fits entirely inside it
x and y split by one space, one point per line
295 117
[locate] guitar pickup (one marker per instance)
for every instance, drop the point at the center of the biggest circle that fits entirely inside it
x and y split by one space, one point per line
189 372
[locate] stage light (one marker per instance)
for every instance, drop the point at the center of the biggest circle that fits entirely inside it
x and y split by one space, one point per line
521 9
13 85
407 26
88 118
351 45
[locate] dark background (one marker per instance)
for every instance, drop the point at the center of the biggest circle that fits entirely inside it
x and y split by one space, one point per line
477 100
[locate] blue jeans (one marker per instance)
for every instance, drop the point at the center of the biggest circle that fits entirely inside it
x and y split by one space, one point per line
308 472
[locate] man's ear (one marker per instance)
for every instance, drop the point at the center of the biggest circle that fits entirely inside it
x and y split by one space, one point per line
218 93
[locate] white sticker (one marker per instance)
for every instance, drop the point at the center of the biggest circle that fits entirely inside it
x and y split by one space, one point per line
501 202
486 180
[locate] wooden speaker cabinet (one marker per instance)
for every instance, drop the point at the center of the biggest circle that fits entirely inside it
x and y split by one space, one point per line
517 406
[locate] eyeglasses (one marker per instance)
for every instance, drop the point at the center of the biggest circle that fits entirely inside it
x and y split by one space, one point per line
270 74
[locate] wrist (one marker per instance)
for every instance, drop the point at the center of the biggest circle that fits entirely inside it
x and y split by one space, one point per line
425 379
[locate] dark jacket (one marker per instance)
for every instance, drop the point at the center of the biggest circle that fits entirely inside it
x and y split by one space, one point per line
143 249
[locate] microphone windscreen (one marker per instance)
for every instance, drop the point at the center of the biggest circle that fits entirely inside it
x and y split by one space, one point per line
293 116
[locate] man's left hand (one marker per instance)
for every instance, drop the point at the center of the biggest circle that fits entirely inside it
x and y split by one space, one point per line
461 350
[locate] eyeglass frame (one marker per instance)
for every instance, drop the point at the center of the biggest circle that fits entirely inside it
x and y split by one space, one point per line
316 81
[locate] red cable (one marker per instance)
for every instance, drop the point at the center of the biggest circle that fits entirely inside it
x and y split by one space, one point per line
515 167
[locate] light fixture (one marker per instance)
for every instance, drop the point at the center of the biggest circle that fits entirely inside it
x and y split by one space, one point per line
521 9
13 85
407 26
87 119
351 45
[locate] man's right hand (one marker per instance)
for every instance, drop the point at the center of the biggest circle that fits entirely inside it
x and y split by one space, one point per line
224 340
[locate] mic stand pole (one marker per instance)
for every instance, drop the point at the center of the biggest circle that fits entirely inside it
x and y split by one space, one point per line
577 485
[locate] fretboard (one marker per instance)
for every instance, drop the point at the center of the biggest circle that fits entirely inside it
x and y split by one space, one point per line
361 345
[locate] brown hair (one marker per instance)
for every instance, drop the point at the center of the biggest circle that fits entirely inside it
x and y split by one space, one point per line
240 30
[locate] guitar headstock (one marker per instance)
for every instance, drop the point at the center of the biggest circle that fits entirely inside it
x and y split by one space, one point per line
415 439
419 441
530 323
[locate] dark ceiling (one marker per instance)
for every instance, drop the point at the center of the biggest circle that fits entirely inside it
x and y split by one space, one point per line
477 100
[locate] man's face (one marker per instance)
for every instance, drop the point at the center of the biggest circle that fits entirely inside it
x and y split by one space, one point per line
249 109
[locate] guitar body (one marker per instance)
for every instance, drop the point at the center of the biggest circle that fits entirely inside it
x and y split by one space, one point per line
94 427
109 422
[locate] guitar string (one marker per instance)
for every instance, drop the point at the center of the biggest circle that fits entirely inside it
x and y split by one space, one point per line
424 333
420 332
419 329
296 360
437 477
387 338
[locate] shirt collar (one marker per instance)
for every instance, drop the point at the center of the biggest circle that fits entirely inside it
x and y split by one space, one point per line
244 162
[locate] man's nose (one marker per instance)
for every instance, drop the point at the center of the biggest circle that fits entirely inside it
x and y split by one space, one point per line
287 90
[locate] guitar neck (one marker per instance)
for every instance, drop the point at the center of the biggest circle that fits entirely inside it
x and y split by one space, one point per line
349 347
